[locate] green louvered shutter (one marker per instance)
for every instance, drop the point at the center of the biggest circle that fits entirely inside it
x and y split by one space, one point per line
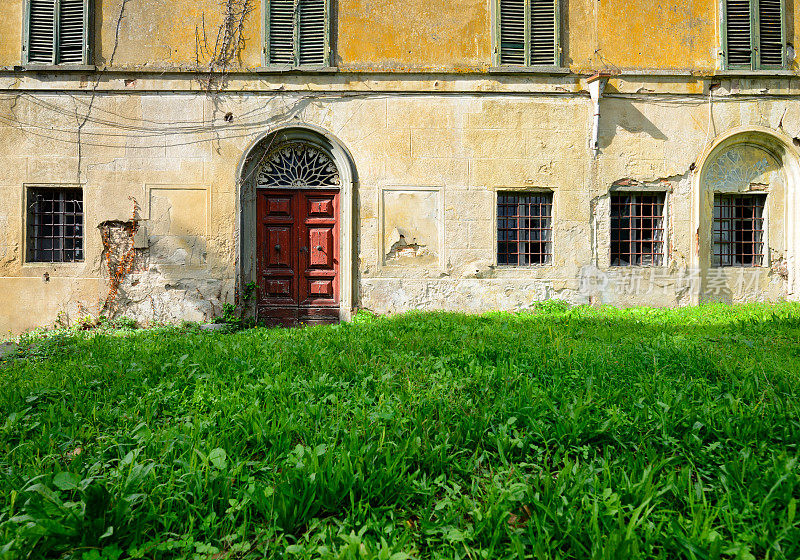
56 31
298 32
770 28
512 32
754 33
41 31
543 32
312 41
738 19
281 31
528 32
71 31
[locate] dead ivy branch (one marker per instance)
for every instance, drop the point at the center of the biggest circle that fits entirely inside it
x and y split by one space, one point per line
83 119
228 42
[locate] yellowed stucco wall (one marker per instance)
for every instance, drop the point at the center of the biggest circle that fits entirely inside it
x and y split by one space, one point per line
394 35
10 32
389 34
678 34
170 33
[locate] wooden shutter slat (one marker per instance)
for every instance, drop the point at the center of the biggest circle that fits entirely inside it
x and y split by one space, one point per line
40 31
312 32
281 31
543 32
770 26
71 28
512 32
738 34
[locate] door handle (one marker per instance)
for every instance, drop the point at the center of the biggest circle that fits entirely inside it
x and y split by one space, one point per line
278 248
319 247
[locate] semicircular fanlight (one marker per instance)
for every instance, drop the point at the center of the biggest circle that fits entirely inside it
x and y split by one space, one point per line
297 164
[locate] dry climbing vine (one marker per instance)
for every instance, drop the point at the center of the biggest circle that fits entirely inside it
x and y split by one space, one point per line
229 41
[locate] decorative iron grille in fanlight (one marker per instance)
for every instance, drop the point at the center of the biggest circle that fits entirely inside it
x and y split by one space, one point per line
297 164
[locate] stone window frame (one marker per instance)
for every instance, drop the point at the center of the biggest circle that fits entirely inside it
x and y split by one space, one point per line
764 195
604 257
295 65
27 226
755 35
663 228
497 37
88 28
554 211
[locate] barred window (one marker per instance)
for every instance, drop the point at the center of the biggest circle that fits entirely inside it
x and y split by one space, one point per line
55 224
524 228
738 232
637 229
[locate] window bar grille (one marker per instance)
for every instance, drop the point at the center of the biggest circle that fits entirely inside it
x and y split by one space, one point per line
738 230
524 229
637 230
55 218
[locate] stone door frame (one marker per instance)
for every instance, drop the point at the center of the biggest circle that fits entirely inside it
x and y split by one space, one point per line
246 208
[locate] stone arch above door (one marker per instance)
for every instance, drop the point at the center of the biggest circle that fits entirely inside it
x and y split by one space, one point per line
298 157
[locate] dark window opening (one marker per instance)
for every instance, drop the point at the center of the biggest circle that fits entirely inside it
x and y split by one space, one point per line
524 229
637 229
738 231
55 225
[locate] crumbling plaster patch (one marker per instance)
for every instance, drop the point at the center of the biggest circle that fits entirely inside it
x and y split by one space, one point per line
412 225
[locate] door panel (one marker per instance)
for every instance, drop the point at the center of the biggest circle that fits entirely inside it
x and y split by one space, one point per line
321 249
320 207
298 256
319 266
278 281
279 206
321 288
279 247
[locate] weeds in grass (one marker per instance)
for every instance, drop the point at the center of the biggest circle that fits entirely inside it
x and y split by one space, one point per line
555 433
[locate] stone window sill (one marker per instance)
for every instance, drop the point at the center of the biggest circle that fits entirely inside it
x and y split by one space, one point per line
529 70
56 68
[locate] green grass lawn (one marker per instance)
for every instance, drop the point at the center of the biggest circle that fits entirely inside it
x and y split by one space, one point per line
559 433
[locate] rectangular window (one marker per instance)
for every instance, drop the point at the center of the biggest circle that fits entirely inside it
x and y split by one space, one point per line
637 229
524 228
297 32
738 232
754 34
55 224
56 32
528 32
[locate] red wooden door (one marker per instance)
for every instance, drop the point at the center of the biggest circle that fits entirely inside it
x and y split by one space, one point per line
298 256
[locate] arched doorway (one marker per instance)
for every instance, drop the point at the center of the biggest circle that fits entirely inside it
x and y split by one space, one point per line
296 227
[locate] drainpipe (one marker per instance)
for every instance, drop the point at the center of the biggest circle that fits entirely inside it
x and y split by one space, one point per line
597 84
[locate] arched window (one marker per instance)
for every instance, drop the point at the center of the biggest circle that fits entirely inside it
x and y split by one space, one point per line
297 164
